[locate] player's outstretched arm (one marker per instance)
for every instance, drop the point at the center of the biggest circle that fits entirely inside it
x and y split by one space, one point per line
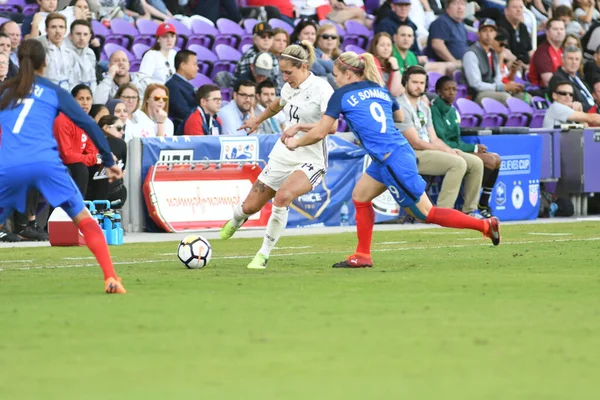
314 135
252 124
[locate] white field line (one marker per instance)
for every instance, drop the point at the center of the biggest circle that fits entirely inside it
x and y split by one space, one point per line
550 233
401 242
451 246
14 261
79 258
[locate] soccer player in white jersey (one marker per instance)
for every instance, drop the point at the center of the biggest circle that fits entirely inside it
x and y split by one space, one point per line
288 174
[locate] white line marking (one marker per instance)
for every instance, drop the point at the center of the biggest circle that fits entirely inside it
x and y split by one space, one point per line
249 256
550 234
293 247
443 233
79 258
14 261
401 242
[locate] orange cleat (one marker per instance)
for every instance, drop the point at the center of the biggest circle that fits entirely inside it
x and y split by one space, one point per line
493 230
355 261
112 285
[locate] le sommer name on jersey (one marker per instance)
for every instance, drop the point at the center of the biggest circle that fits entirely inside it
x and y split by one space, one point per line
366 94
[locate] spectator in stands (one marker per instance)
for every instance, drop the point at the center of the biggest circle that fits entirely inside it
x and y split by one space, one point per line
215 9
33 25
265 95
306 9
434 157
182 95
118 74
403 41
85 59
76 151
155 108
398 16
60 59
137 123
585 13
260 70
548 56
447 35
285 7
381 48
591 69
568 72
262 37
510 66
519 41
481 67
102 189
565 14
4 61
348 10
307 29
596 94
98 111
14 33
564 109
159 62
11 69
328 42
204 120
239 110
158 9
446 122
118 108
281 40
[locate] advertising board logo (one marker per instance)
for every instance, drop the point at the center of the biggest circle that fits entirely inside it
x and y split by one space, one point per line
516 165
500 194
518 196
239 148
312 204
534 192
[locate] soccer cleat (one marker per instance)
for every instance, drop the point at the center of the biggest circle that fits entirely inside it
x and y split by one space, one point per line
485 212
227 230
112 285
355 261
475 214
493 230
258 262
34 232
8 237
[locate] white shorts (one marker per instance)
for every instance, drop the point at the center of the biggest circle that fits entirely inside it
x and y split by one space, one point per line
275 173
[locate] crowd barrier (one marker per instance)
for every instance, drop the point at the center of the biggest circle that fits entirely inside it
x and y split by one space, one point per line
529 157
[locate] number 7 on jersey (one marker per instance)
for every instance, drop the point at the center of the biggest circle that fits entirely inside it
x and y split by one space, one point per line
27 104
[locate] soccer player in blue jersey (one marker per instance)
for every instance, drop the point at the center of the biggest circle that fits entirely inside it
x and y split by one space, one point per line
29 156
368 109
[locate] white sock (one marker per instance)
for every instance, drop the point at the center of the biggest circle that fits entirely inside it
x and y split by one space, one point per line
275 227
239 217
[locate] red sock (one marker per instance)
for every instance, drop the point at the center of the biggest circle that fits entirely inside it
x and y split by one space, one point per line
451 218
96 242
365 219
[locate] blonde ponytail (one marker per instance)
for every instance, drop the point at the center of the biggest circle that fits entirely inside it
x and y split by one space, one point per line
362 65
298 54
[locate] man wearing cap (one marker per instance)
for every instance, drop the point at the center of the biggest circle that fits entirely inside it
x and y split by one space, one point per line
260 70
182 95
398 17
447 39
481 67
262 36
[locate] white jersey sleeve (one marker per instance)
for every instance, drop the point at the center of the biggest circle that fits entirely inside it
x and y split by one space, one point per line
304 105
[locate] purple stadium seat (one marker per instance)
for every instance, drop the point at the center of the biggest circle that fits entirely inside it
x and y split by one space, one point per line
183 32
139 49
230 31
226 93
203 34
200 80
520 113
134 66
470 112
147 32
340 29
15 6
31 9
100 30
354 48
278 23
538 113
495 113
342 125
357 34
206 58
228 58
249 24
245 47
472 36
124 31
433 78
3 20
110 48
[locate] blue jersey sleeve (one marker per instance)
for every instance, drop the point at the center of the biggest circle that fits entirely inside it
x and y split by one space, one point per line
68 106
395 105
334 107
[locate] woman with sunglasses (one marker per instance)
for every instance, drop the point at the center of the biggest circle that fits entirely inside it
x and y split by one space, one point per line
159 62
289 174
371 112
307 29
328 42
151 119
76 151
100 188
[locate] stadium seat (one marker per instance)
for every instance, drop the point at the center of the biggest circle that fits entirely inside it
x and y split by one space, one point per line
249 24
100 30
354 48
14 6
433 78
200 80
147 32
470 113
278 23
139 49
245 47
357 34
230 31
228 58
123 31
495 112
31 9
206 58
110 48
520 113
538 113
203 34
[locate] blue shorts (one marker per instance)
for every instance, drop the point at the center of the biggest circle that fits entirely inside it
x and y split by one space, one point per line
399 173
51 179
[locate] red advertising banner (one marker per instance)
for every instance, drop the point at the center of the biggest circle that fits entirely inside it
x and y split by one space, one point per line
192 196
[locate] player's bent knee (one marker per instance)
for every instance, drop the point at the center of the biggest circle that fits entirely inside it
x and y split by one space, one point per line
283 198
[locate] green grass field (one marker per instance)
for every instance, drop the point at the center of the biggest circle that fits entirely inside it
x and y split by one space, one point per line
443 315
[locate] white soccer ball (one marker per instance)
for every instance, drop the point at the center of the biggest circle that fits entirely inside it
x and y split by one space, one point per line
194 251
